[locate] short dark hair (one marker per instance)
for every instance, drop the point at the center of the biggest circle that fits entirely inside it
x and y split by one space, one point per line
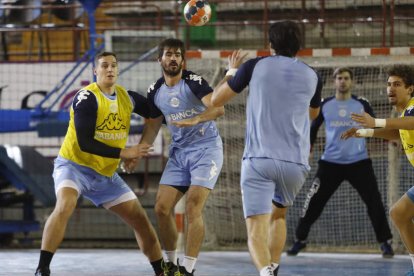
171 43
340 70
285 38
104 54
405 72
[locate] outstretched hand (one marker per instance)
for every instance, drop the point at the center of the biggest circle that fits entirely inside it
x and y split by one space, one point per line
137 151
187 122
128 165
236 58
365 120
349 133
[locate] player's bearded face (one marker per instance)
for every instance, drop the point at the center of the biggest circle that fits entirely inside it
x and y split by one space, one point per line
172 62
343 82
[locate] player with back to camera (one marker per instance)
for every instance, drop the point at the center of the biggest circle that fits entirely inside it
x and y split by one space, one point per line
342 161
195 154
283 93
400 88
89 156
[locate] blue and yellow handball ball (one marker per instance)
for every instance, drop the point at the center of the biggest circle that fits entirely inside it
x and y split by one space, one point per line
197 12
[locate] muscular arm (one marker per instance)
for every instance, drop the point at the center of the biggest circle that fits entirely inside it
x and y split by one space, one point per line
388 134
314 112
222 94
141 106
212 112
367 121
151 129
400 123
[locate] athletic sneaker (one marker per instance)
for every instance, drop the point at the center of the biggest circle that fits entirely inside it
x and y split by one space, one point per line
296 247
170 269
183 272
268 271
42 272
387 251
275 271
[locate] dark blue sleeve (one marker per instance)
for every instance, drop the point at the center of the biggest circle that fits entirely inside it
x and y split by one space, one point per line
409 111
243 75
85 109
198 85
141 106
316 124
154 111
367 107
316 99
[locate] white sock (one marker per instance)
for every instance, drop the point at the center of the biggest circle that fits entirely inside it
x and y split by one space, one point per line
189 263
412 259
274 266
171 256
266 271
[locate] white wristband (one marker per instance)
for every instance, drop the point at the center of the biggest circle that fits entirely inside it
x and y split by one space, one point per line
365 132
380 122
231 72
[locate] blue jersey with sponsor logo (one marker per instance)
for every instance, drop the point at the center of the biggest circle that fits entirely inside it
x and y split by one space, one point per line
337 117
183 101
281 89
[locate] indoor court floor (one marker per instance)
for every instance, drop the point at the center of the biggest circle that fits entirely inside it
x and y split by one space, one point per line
118 262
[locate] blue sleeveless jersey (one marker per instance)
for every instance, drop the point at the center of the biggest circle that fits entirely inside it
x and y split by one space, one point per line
281 89
180 102
337 117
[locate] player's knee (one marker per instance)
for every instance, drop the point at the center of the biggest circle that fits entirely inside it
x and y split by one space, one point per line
193 214
396 215
162 210
64 210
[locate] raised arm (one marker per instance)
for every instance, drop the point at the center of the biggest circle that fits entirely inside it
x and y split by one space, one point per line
223 92
387 134
367 121
384 128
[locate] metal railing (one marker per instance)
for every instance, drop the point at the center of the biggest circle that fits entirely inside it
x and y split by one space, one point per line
50 32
